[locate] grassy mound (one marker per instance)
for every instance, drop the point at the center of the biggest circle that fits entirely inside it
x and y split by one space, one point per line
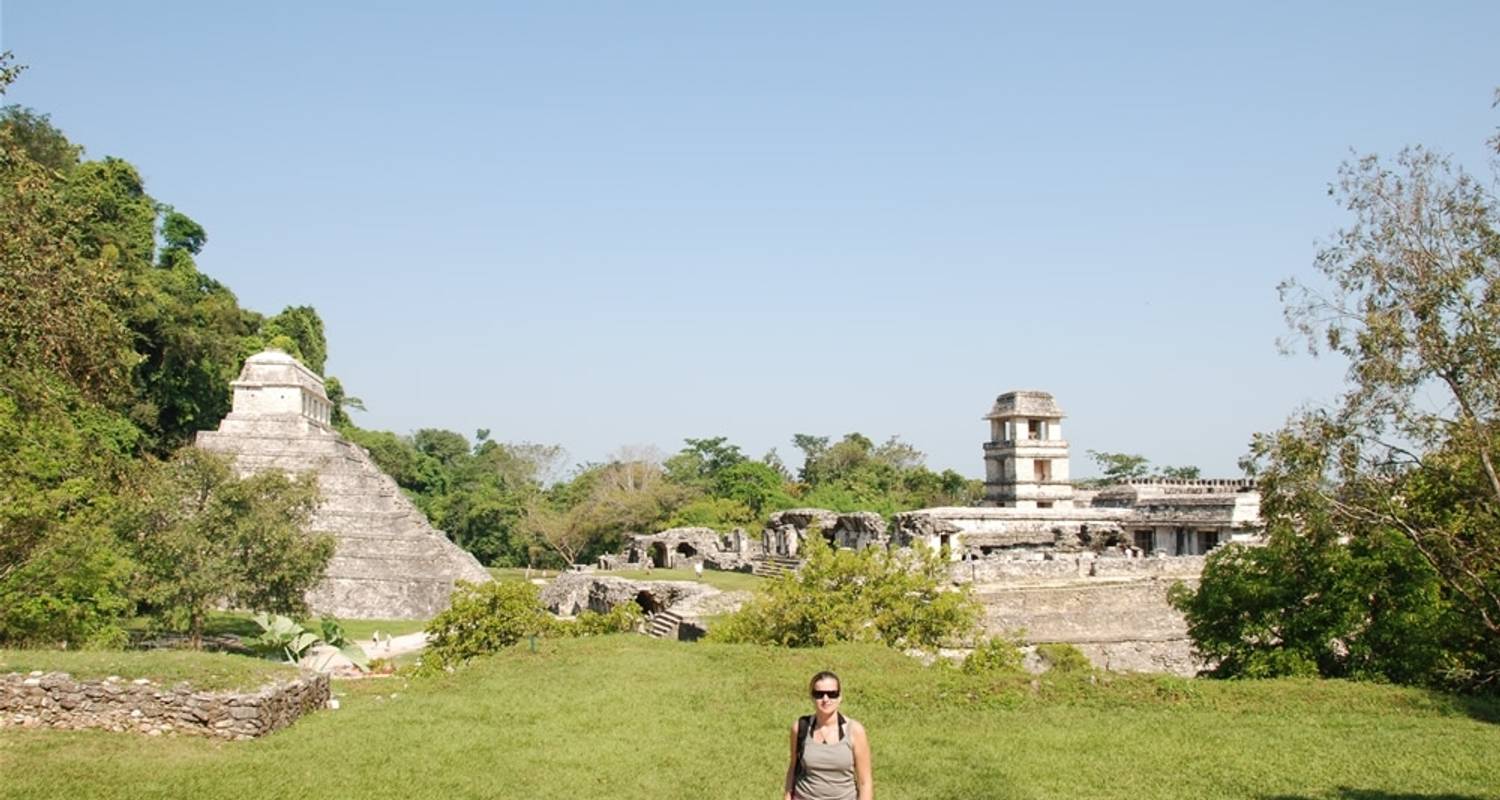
206 671
631 717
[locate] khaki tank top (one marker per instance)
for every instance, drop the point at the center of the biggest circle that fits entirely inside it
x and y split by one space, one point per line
827 770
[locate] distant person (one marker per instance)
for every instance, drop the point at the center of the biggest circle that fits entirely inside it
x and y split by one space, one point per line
830 753
698 568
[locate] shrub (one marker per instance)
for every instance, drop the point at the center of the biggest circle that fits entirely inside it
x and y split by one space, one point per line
281 638
997 655
623 618
896 598
484 618
1064 658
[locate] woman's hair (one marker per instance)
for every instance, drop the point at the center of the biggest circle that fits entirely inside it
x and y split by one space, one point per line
821 676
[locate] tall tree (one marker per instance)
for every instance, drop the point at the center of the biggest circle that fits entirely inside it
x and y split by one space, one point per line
1395 487
204 537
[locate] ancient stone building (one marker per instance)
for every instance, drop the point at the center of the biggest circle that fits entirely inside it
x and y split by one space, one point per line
389 562
1026 458
682 547
1091 569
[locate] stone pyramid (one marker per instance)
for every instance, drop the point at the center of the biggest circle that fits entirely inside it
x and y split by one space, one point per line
389 562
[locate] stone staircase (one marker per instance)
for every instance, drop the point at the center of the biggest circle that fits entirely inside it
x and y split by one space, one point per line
664 625
774 566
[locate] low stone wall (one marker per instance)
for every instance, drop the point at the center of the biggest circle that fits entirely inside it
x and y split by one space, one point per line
55 700
1071 565
1113 609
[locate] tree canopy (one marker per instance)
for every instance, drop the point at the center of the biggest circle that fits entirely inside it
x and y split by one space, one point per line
1383 510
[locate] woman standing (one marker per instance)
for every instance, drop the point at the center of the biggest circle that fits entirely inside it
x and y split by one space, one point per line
830 752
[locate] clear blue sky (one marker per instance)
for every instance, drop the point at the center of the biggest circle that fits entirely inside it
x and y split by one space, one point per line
628 223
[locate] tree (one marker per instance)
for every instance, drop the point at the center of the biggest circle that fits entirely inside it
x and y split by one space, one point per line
566 532
897 598
1412 302
1385 507
204 537
297 330
1120 467
699 464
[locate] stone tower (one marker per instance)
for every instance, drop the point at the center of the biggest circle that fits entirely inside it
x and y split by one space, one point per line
1026 458
389 563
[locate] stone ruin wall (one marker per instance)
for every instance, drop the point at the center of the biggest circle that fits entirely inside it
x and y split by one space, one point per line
1114 610
56 700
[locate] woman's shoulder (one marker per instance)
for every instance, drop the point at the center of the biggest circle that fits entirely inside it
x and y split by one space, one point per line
855 727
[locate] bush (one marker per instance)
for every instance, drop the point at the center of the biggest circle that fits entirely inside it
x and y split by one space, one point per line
485 618
896 598
623 618
1064 658
994 656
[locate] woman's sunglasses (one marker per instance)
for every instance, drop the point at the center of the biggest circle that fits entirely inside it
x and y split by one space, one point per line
831 694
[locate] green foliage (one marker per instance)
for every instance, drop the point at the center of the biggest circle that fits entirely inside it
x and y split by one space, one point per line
63 574
1118 467
483 619
333 635
720 513
899 599
854 474
623 618
1328 595
282 638
1064 659
998 655
204 537
479 495
298 330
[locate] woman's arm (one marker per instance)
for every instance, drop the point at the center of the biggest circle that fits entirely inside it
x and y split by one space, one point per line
863 772
791 768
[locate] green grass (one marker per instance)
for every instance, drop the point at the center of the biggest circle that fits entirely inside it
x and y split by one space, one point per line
719 579
629 717
207 671
519 573
242 623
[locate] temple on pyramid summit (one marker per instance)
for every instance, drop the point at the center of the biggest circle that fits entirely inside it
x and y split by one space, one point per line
389 562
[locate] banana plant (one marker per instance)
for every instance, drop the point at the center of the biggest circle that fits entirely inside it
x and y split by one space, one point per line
333 635
282 637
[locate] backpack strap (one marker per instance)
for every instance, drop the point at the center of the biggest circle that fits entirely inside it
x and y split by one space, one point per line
804 724
841 727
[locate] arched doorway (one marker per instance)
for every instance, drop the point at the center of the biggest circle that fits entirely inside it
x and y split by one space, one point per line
659 556
647 602
686 550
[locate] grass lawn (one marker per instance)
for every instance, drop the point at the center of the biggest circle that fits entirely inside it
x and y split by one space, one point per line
630 717
520 573
207 671
719 579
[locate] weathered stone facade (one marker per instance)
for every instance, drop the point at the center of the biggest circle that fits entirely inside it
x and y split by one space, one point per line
389 562
687 603
677 547
56 700
1113 608
786 531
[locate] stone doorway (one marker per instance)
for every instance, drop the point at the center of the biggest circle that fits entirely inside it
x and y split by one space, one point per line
647 602
659 555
